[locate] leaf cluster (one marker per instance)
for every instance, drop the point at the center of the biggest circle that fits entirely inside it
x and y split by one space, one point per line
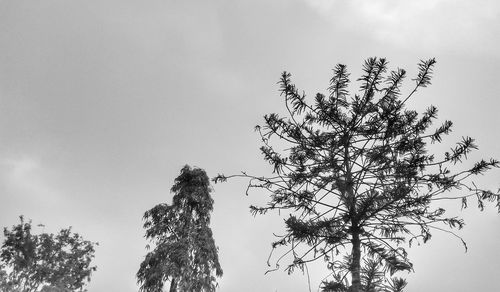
44 262
373 278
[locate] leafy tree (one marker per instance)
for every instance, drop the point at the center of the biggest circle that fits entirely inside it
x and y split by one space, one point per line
44 262
185 253
54 289
357 178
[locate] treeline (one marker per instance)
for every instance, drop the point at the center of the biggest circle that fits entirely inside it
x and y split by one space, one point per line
357 181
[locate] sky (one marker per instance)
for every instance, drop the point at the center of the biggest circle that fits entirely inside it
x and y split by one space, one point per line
103 102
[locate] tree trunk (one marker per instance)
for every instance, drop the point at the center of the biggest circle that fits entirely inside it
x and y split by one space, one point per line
356 263
173 285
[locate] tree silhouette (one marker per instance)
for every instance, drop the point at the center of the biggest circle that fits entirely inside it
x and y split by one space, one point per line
44 262
185 253
357 178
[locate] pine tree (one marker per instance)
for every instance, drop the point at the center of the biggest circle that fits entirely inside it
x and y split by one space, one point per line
185 253
357 178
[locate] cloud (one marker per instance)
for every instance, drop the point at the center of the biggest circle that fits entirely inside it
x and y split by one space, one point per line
322 6
28 178
425 25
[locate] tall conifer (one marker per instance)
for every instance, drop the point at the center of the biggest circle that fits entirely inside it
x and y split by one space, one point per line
357 177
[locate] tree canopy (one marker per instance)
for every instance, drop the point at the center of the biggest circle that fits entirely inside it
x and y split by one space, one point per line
185 252
44 262
357 178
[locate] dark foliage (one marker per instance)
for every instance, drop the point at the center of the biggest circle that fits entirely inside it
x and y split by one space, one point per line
357 178
185 253
44 262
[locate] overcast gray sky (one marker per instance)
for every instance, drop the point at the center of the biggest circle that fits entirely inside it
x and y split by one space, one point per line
102 102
